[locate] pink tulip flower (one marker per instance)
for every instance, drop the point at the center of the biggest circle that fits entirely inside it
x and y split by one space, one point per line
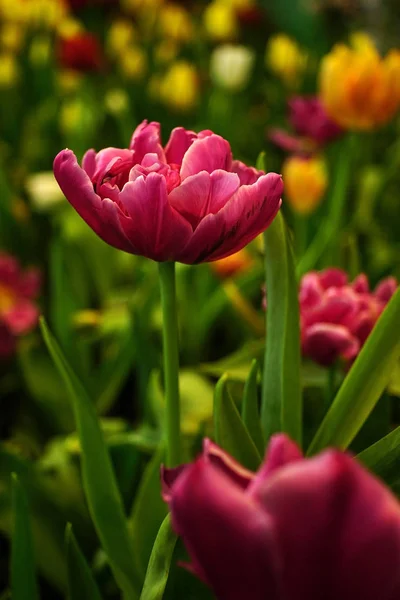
188 201
322 528
18 312
312 127
337 316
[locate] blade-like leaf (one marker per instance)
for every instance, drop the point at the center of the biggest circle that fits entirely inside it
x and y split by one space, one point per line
160 561
281 408
23 571
99 481
81 583
383 459
250 412
364 384
148 512
229 430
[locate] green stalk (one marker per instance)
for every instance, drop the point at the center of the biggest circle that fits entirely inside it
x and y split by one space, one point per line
171 362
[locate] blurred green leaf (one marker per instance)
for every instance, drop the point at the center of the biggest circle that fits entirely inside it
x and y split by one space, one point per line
81 583
99 481
383 459
23 570
364 383
250 410
236 365
147 514
281 407
160 561
229 430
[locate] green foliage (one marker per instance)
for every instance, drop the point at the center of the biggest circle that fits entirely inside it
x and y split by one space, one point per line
81 584
159 563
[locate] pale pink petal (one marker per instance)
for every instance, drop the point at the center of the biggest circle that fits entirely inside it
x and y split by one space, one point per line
203 194
325 343
101 215
156 229
245 215
146 139
207 154
179 142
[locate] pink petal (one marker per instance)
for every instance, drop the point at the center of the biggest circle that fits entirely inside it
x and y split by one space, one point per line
9 270
30 283
385 289
22 317
336 307
247 175
101 215
325 343
338 529
287 142
226 464
155 228
360 284
7 341
203 194
332 278
105 159
146 140
245 215
229 539
207 154
89 163
179 142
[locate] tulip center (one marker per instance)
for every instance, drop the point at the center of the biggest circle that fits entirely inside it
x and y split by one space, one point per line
7 299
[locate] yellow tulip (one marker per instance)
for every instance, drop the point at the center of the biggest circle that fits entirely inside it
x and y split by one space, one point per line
9 70
305 181
120 35
220 21
358 88
179 87
133 63
285 59
175 23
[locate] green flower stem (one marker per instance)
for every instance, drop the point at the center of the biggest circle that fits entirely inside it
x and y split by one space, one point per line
171 362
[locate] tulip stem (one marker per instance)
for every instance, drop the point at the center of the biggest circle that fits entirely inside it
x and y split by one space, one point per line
171 362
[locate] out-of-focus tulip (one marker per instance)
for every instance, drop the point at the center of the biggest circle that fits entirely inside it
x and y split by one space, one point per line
81 52
18 311
358 88
175 23
11 37
133 63
285 59
321 528
220 21
120 36
43 191
337 316
308 118
188 202
134 6
9 70
166 51
40 51
231 66
235 264
306 180
116 101
179 88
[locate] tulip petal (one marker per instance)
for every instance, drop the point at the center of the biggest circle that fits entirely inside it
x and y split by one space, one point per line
226 464
244 216
229 539
207 154
332 278
203 194
7 341
146 139
385 289
22 317
179 142
325 343
338 529
100 214
157 229
247 175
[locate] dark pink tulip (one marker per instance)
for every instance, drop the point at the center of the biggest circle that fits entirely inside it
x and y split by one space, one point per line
18 312
337 316
322 528
189 202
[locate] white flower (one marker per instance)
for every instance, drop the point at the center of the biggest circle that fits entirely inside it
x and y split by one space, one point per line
231 66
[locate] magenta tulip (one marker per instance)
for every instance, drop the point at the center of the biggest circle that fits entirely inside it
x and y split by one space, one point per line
322 528
18 311
187 202
337 316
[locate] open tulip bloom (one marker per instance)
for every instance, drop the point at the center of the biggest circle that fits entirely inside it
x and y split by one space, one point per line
322 528
188 202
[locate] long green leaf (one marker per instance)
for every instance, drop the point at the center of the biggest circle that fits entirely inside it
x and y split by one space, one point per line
250 412
81 583
99 481
23 570
148 512
281 408
383 458
364 383
160 561
229 430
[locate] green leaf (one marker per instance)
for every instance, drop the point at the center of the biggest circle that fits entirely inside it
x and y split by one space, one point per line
147 514
236 365
250 413
281 408
160 562
364 383
99 481
81 583
383 459
23 570
229 430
